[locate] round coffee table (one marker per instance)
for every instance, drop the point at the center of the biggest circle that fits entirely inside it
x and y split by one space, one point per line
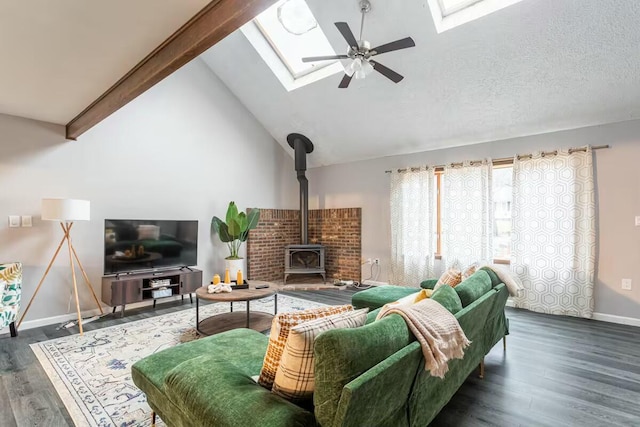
255 320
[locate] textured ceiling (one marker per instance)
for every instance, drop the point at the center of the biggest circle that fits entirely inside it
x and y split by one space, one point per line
534 67
58 56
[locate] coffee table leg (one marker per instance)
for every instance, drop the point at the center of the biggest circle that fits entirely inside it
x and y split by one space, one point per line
247 314
275 303
197 312
231 307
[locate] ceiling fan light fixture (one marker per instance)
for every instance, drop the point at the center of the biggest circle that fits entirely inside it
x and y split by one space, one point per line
353 67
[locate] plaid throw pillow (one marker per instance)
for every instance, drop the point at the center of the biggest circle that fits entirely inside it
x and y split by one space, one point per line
280 327
294 379
469 271
451 277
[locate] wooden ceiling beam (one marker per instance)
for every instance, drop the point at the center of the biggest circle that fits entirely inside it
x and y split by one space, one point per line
213 23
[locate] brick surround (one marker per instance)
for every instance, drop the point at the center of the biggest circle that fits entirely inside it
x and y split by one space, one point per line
339 230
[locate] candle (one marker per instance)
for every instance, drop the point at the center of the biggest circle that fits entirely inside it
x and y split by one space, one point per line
216 279
239 280
227 279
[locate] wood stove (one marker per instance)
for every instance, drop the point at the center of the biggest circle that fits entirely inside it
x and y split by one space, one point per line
303 258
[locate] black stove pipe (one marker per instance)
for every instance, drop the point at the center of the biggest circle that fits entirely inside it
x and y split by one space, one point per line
302 146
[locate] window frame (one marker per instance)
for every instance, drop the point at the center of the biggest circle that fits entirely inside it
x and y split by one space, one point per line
265 47
446 21
439 172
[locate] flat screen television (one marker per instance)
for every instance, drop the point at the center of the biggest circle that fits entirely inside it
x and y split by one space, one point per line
135 244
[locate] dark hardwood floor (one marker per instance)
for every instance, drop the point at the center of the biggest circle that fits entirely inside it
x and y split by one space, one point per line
557 371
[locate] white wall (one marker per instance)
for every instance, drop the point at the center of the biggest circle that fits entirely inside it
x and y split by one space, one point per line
182 150
364 184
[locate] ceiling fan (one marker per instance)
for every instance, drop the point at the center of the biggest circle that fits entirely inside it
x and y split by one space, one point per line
360 53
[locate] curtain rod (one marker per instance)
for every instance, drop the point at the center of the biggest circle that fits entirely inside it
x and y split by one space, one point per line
509 160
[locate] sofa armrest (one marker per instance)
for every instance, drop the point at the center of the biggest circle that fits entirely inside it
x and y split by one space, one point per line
428 284
214 392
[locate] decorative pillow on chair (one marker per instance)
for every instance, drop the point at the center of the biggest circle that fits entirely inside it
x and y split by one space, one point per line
295 377
451 277
280 327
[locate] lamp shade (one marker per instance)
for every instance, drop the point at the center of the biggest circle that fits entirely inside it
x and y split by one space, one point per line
65 210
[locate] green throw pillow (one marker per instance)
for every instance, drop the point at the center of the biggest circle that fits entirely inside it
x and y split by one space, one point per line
474 287
448 297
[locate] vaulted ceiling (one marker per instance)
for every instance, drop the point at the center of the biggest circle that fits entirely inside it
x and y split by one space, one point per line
534 67
59 56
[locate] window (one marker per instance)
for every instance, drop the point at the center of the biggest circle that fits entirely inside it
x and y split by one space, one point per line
283 35
448 14
502 196
502 201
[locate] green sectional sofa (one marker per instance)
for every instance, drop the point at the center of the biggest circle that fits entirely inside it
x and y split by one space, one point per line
368 376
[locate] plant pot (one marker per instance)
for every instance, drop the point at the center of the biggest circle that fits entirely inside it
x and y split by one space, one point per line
234 265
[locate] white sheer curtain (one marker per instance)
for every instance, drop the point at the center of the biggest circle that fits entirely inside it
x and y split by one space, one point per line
413 226
467 214
553 237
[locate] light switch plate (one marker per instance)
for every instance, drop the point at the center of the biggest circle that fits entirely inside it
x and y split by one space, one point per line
638 221
14 221
26 221
626 284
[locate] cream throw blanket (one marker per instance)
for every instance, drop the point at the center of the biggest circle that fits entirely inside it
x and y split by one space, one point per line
437 330
510 279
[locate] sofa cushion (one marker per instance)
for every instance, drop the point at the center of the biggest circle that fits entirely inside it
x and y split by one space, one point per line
342 355
495 280
474 287
428 284
448 298
245 349
213 392
295 379
280 327
380 295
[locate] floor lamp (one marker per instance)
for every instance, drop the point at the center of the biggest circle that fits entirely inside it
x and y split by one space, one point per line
66 211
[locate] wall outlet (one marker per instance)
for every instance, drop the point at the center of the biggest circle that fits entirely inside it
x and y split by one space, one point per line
26 221
376 261
14 221
626 284
638 221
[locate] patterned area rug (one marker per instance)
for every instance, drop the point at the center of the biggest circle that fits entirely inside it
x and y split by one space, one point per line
92 373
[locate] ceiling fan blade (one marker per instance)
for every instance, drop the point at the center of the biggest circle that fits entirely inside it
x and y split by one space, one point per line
344 29
324 58
396 45
387 72
345 81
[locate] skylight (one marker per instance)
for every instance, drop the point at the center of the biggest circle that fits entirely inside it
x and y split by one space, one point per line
448 14
283 35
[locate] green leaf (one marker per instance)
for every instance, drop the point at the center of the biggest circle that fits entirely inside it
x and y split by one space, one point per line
222 230
232 213
234 228
243 223
253 218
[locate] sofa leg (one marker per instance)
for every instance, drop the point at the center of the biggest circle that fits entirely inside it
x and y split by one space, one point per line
13 329
153 419
504 343
482 369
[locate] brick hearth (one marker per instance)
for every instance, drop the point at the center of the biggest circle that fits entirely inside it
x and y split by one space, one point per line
339 230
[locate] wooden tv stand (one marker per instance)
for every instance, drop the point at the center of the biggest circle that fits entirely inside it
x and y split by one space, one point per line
129 288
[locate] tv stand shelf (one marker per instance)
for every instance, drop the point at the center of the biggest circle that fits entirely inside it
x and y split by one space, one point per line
123 289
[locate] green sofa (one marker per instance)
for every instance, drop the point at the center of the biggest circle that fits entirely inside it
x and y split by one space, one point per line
368 376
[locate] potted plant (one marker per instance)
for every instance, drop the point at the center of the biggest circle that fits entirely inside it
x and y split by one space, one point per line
235 231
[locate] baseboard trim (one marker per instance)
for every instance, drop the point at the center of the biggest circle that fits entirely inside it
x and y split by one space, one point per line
374 283
46 321
621 320
603 317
